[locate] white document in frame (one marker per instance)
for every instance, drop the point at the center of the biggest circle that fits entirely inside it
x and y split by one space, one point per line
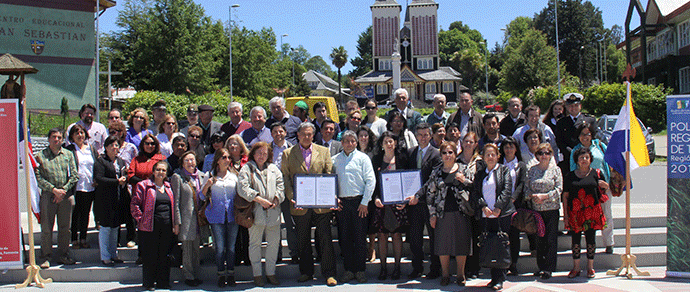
305 191
391 187
325 191
413 182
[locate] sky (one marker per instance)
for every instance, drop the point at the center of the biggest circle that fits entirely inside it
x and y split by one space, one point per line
321 25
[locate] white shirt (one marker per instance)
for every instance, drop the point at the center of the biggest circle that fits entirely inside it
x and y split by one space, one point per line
85 183
489 190
512 168
165 144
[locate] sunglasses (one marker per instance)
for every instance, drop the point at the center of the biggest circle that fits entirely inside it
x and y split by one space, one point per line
370 107
448 153
540 153
225 157
170 123
194 136
150 143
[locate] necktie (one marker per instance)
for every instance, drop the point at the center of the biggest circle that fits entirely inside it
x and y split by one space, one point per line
419 159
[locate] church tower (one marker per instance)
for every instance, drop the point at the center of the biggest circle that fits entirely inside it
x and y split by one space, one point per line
385 31
421 21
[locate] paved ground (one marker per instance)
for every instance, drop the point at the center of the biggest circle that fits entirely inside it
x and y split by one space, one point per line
656 282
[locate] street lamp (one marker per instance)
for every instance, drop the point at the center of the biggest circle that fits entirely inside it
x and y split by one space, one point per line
292 52
230 43
281 45
486 46
558 51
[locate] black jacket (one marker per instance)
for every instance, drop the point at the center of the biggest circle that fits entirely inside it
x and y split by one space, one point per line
504 200
520 186
430 161
566 135
109 201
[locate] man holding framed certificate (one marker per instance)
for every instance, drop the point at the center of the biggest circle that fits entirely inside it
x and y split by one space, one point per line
312 160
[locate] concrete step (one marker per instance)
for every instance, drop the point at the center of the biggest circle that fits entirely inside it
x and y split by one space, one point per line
129 272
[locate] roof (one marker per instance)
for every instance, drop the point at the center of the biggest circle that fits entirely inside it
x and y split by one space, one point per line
323 82
438 75
443 74
668 6
663 11
423 2
375 77
384 3
104 4
11 65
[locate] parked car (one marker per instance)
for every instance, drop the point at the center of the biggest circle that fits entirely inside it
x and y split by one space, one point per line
452 104
605 126
496 107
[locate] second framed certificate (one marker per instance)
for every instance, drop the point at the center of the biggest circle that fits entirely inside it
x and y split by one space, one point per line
398 185
316 191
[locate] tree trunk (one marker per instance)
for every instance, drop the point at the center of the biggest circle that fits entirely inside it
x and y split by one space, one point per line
340 93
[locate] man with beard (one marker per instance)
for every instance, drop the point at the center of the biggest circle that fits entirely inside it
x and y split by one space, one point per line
490 122
97 131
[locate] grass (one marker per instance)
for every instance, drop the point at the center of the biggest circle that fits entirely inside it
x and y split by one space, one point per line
41 123
660 133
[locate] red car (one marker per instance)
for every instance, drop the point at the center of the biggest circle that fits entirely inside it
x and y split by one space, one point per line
496 107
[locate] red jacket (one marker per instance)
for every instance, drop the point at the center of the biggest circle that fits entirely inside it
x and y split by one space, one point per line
144 202
141 168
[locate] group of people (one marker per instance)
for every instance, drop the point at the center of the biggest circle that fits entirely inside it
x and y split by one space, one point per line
174 184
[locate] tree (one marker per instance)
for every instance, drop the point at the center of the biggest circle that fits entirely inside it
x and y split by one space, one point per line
339 59
254 58
469 62
531 64
318 64
580 26
64 111
364 60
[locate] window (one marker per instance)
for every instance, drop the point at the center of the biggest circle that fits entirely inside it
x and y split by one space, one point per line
651 81
430 87
425 63
684 79
384 65
381 88
684 34
448 86
651 50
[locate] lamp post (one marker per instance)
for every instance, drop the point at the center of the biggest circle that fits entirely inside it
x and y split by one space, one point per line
281 44
558 51
486 66
230 43
292 52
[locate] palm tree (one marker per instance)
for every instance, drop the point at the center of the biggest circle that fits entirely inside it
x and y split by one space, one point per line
339 59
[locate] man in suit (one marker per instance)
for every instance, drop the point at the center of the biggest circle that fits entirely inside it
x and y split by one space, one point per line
278 114
566 136
321 114
207 125
327 133
401 99
309 158
514 119
426 158
468 119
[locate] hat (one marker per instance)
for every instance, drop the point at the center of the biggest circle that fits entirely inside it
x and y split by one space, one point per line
193 108
303 105
206 107
573 97
159 104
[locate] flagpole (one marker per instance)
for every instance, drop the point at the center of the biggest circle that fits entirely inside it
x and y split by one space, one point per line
628 259
33 270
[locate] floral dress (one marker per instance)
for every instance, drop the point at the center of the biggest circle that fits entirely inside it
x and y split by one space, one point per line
584 201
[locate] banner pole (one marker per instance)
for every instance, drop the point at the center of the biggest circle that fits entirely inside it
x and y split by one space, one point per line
33 270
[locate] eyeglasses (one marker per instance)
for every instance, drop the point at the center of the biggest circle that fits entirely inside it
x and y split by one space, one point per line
138 117
356 119
448 153
586 135
114 118
170 123
150 143
161 170
370 107
540 153
225 157
194 136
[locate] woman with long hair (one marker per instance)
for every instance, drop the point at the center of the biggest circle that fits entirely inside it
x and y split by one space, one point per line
152 207
138 122
261 181
239 157
221 187
167 130
371 120
217 142
366 140
555 112
389 220
85 155
109 173
397 124
469 156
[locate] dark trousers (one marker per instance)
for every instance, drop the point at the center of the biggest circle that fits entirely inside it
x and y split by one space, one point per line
419 218
242 245
323 230
155 247
352 235
493 225
547 246
291 234
514 236
472 263
80 214
589 239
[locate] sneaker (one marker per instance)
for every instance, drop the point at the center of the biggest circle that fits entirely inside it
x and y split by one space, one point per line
66 260
131 244
331 281
45 264
272 280
347 277
361 277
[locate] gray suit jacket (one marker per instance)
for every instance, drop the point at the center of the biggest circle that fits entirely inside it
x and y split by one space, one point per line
184 195
335 146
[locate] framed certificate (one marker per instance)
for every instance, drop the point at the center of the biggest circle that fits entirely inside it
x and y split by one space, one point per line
399 184
316 191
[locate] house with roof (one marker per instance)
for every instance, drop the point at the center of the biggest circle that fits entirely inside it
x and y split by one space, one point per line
322 85
417 44
659 49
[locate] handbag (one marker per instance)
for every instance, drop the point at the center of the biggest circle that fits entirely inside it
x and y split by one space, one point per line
201 210
494 249
244 212
602 193
617 183
524 221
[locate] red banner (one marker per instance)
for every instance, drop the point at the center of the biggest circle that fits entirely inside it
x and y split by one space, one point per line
10 229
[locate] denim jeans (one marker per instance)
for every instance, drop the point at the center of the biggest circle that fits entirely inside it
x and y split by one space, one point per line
107 242
224 237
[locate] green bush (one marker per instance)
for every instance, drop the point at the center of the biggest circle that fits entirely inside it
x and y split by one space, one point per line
177 104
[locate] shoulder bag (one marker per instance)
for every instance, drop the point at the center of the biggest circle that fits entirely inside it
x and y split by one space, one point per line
494 249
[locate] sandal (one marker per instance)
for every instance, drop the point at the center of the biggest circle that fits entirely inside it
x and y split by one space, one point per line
573 274
590 273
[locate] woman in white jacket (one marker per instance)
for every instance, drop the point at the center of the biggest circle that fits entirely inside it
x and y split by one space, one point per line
262 182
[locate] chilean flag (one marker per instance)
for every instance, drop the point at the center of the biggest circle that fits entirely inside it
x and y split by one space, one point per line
30 167
627 136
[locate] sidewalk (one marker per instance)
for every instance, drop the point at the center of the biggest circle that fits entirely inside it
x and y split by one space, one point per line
560 282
